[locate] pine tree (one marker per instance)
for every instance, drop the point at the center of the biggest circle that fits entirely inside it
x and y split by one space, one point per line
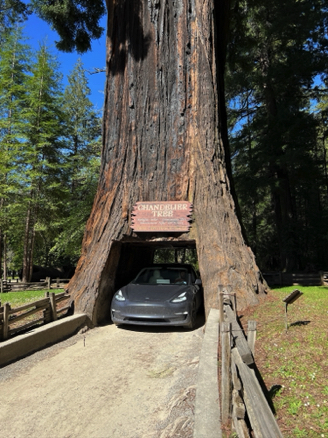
41 154
11 13
276 51
13 80
82 151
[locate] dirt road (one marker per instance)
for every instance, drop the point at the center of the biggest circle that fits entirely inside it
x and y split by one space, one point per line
108 382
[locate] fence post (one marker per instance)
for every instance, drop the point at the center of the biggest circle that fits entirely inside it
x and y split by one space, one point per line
220 305
1 285
5 327
53 306
48 280
57 282
226 371
251 335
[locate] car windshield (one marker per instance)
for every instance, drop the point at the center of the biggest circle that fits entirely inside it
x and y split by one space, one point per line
162 275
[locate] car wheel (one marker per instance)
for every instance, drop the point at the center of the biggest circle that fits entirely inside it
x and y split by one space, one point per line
192 323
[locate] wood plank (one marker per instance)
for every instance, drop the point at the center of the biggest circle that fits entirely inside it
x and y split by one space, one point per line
5 327
251 335
238 407
53 306
63 309
40 303
225 372
262 420
63 298
236 384
238 336
24 315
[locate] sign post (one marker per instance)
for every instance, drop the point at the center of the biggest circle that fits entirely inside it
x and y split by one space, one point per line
289 300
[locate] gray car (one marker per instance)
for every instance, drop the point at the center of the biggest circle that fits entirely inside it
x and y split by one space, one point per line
160 295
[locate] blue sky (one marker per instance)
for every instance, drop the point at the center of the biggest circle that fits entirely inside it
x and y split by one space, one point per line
37 31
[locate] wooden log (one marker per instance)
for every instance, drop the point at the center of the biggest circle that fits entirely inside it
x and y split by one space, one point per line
238 337
263 423
251 335
225 374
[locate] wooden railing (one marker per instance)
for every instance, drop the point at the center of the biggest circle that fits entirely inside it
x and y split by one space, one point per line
241 391
47 283
319 278
46 310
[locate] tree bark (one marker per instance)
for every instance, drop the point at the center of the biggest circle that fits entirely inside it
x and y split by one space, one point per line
165 138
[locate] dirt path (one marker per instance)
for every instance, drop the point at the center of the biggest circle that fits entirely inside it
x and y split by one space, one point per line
106 383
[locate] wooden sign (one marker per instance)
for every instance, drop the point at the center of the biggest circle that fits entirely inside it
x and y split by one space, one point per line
168 216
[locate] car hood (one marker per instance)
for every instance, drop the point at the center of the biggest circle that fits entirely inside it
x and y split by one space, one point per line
151 293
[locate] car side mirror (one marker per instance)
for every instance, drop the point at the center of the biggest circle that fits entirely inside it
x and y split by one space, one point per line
198 282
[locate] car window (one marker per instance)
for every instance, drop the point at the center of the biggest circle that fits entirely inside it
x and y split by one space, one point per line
162 275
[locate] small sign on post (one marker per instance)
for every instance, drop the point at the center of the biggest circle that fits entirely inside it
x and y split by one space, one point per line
289 300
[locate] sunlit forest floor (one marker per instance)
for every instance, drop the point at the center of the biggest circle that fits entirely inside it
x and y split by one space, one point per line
294 364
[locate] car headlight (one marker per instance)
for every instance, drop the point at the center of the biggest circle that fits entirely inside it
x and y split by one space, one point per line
119 296
180 298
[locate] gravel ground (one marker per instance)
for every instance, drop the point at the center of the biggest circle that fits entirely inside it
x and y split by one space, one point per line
108 382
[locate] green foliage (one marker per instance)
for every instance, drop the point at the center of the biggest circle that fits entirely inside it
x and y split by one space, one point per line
12 12
21 298
13 73
49 156
75 21
82 162
276 51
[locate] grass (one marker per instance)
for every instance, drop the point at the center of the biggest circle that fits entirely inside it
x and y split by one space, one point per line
17 299
294 363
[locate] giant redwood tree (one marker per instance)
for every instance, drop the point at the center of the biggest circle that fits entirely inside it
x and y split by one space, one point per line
164 138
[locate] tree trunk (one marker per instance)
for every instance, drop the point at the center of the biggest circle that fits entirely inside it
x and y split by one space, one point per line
28 245
164 138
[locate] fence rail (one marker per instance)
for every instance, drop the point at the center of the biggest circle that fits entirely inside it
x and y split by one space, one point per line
241 391
47 283
319 278
48 306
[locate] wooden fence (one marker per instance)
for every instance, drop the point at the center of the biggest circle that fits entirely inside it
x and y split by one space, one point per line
242 396
16 286
296 278
45 310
